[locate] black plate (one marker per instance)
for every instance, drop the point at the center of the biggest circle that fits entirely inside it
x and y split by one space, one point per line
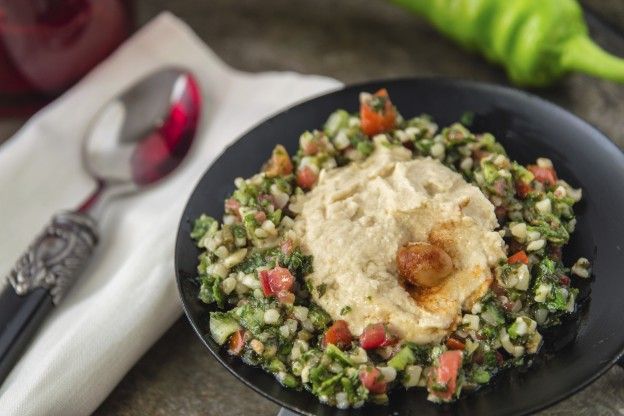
528 127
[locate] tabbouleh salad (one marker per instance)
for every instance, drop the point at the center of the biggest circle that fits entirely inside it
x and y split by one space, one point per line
252 267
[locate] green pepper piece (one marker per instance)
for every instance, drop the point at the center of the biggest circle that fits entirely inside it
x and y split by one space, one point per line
537 41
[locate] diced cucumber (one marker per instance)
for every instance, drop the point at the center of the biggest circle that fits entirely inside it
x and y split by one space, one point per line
412 374
379 398
481 376
337 120
222 326
276 216
290 381
403 358
335 353
275 366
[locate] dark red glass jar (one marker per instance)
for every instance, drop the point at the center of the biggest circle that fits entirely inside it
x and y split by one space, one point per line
47 45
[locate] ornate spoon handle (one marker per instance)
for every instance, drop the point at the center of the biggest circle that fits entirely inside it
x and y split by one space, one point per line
40 279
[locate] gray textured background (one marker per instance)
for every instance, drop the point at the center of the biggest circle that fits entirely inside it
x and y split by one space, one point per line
351 40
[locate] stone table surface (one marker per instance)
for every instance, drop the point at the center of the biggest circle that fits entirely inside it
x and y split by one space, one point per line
351 40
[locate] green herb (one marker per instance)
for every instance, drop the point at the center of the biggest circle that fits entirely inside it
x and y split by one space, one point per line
319 318
345 310
203 225
210 290
321 289
422 353
378 103
467 118
365 147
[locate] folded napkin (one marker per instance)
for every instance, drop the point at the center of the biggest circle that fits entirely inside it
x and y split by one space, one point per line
127 296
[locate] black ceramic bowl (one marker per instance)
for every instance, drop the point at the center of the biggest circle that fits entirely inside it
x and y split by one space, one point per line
528 127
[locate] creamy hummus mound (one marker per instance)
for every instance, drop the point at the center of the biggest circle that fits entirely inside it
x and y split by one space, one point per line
358 216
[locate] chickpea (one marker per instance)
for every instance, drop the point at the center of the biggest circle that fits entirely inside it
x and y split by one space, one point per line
423 264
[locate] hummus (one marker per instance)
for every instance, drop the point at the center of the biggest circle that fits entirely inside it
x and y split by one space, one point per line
358 216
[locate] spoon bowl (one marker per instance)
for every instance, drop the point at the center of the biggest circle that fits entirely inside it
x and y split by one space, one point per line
143 134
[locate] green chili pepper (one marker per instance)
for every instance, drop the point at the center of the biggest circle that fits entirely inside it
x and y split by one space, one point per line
537 41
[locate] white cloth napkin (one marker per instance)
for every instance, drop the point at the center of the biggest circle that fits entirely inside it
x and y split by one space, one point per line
127 296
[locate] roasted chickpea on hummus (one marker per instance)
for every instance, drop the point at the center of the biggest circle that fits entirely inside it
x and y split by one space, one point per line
389 254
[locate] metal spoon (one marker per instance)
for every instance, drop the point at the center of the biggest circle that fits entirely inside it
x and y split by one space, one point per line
137 139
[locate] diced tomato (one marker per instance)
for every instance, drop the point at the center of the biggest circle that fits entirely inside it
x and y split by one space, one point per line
231 206
375 336
480 336
523 189
286 247
280 279
564 280
263 276
266 197
497 289
547 176
338 334
285 296
279 164
455 344
277 281
260 217
501 213
508 304
373 380
306 178
377 120
237 342
519 257
446 373
479 154
500 186
311 148
478 357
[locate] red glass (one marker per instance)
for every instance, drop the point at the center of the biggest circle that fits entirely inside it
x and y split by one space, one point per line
165 148
47 45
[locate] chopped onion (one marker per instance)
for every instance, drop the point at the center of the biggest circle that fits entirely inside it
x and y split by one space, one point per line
389 373
412 375
541 315
271 316
524 277
512 349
